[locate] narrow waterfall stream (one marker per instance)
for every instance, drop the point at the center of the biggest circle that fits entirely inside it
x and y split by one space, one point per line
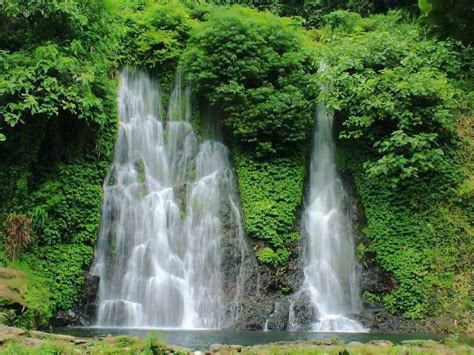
330 278
159 254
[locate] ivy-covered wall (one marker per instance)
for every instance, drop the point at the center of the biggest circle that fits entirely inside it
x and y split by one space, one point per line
271 192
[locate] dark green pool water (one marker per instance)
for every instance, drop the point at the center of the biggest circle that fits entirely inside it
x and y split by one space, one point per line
202 339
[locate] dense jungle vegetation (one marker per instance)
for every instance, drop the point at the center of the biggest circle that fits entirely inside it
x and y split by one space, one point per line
399 76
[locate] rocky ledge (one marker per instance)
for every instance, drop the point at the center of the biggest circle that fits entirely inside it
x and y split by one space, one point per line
21 341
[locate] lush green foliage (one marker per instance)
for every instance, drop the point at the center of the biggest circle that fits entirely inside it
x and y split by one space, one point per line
271 192
58 184
254 66
391 86
55 80
313 11
154 36
396 95
395 100
53 60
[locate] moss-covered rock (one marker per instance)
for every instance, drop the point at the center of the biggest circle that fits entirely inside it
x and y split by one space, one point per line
24 301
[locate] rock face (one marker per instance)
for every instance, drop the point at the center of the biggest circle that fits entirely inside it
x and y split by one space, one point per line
267 292
302 313
91 289
64 318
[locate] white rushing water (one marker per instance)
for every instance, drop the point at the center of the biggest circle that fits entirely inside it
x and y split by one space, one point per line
330 278
159 250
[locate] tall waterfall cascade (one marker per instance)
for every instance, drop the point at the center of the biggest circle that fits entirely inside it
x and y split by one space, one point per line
169 205
330 272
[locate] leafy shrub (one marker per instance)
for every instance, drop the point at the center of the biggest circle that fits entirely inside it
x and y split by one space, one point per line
254 66
268 256
62 268
449 19
341 20
392 88
55 62
154 36
153 345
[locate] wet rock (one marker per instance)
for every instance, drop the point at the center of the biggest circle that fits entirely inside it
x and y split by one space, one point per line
223 349
303 313
91 287
328 341
379 320
215 347
89 313
65 318
86 311
421 343
267 292
278 319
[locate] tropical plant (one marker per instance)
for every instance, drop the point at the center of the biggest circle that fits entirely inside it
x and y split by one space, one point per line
17 235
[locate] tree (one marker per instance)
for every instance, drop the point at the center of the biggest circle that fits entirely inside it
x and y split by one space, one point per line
255 67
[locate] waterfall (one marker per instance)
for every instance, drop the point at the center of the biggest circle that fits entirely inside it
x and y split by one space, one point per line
168 207
330 280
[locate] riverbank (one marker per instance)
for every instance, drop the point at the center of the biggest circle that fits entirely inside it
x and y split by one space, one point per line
20 341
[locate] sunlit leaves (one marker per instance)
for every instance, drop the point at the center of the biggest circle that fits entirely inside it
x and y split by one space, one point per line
155 36
55 62
392 91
